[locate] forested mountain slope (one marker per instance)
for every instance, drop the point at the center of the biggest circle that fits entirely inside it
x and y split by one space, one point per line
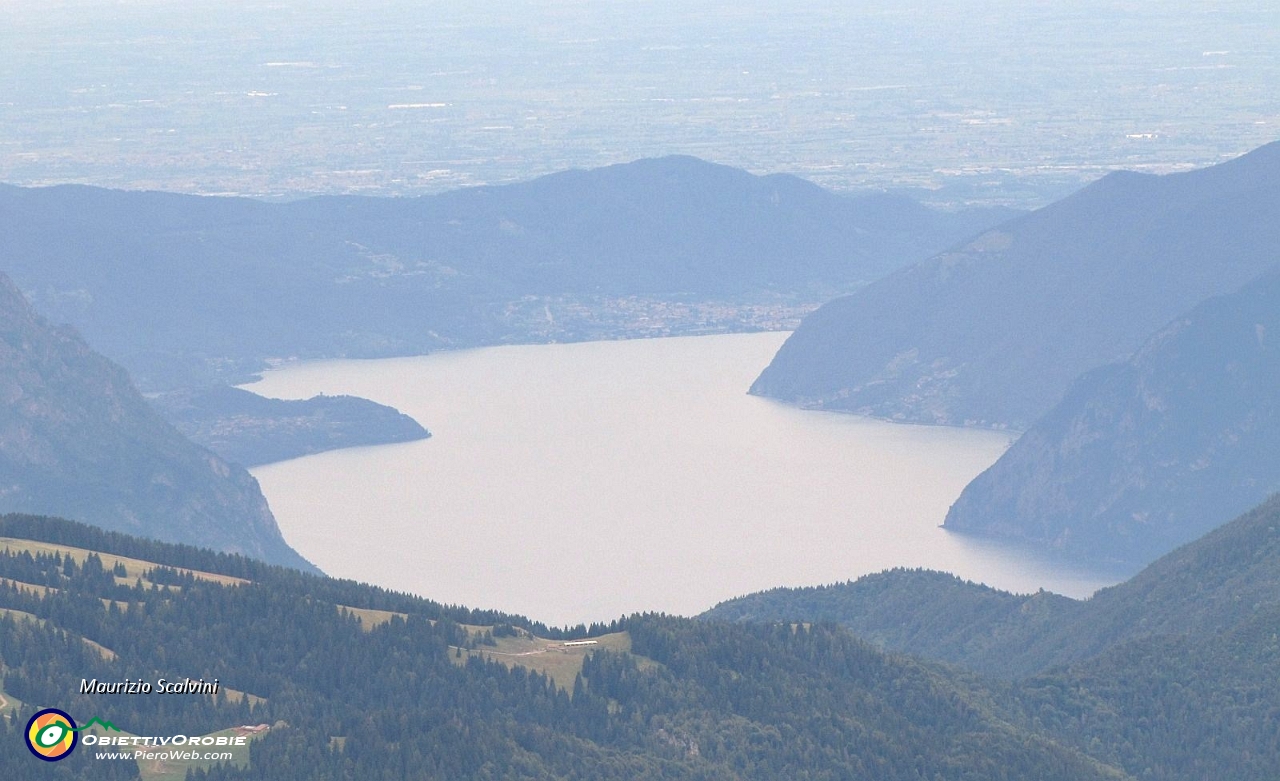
356 682
76 438
1150 453
993 332
1173 677
182 289
1170 675
1213 586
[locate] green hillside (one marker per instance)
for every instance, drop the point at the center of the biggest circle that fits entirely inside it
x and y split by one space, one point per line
1173 674
358 682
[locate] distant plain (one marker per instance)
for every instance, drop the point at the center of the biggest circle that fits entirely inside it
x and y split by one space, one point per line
1007 101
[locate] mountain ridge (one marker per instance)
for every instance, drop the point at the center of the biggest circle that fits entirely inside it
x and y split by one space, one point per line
77 438
992 332
1203 588
1147 454
227 283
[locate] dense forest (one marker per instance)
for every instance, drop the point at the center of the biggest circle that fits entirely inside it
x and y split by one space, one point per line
408 698
1171 676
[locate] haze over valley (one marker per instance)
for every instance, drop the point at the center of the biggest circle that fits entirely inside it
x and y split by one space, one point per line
998 102
639 390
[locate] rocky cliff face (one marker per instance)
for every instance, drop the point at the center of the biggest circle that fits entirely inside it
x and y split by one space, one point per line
78 440
1145 455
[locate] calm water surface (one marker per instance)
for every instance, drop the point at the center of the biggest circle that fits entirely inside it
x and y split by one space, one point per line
581 482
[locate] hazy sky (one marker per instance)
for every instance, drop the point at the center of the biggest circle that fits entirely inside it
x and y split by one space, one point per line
1007 98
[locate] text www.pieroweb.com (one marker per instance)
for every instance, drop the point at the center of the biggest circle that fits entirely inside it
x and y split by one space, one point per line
167 756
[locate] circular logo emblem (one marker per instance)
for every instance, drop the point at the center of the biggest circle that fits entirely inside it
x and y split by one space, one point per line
50 734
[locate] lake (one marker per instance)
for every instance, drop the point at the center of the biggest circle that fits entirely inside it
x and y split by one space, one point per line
581 482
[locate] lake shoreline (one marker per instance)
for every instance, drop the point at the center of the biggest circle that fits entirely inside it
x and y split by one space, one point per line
579 482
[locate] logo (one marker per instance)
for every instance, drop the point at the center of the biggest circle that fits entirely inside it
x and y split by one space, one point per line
51 735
